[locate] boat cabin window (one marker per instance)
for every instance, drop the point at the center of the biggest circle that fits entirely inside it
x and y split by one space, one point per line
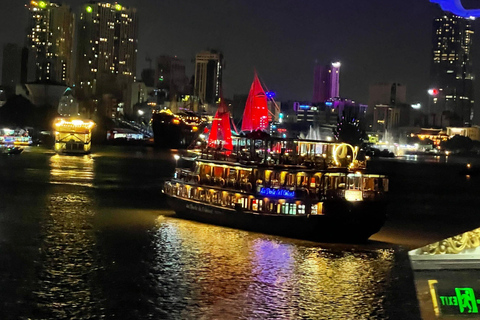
368 184
354 182
340 182
232 174
316 180
377 183
302 180
267 175
206 170
283 175
290 180
275 179
289 208
335 181
244 174
218 172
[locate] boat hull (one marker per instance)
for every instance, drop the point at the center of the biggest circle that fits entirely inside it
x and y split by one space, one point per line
343 222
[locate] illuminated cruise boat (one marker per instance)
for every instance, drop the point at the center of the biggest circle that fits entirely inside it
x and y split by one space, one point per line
73 135
17 137
316 190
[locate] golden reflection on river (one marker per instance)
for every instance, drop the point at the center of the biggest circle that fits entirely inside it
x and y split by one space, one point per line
222 273
72 170
68 259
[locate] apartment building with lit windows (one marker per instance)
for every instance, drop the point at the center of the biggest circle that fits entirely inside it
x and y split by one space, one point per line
50 36
106 49
451 89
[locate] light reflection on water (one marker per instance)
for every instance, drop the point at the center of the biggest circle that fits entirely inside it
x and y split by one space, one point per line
68 261
106 253
220 273
72 170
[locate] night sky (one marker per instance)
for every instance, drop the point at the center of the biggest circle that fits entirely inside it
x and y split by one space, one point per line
375 40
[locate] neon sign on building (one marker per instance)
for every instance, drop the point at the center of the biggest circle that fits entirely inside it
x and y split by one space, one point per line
456 7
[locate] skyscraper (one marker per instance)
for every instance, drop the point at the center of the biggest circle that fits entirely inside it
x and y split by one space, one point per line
106 48
50 35
451 71
208 75
326 82
170 75
18 66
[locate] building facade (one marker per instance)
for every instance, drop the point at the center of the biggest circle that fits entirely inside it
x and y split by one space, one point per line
18 66
451 91
208 76
50 35
170 75
326 82
106 49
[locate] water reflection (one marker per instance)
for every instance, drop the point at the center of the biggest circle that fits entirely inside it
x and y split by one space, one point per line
217 273
72 170
68 262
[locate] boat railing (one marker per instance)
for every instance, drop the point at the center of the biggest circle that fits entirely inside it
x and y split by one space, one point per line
274 158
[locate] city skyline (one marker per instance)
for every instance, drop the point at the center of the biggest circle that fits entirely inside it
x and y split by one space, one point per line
375 43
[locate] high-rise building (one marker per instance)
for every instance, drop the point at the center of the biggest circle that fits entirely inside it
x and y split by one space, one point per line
208 76
18 66
326 82
106 49
383 100
170 75
50 35
451 71
389 94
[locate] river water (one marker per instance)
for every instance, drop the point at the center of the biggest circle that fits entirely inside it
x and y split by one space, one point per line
91 237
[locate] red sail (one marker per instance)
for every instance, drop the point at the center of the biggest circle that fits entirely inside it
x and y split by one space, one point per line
255 115
221 134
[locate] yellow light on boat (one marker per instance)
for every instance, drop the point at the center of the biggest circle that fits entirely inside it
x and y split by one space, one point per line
194 128
59 122
353 195
469 165
176 121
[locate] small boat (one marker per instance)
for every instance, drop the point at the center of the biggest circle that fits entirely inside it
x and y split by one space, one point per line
308 189
12 150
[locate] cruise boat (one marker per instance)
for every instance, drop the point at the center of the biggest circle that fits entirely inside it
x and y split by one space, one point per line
307 189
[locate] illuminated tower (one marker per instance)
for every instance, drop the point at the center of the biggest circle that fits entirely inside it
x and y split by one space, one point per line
208 75
106 49
451 71
50 36
326 82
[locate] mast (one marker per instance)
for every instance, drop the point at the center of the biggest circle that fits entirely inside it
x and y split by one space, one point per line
255 115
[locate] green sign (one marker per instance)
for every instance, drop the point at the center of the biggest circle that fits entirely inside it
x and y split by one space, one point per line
464 299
